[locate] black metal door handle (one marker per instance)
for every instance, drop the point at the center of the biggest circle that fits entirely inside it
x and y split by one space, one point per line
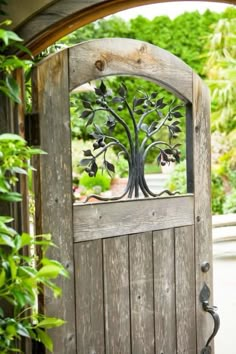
204 298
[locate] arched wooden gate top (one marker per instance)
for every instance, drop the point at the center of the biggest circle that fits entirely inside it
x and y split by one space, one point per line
71 225
120 56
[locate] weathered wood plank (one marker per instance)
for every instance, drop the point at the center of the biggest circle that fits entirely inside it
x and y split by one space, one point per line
141 293
120 56
92 221
53 187
164 291
185 290
89 297
117 298
202 191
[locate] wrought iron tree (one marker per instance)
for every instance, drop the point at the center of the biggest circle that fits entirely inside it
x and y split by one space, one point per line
138 145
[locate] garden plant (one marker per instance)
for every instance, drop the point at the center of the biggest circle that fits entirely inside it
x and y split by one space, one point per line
23 276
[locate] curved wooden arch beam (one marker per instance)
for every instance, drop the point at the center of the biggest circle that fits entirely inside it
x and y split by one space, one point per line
65 16
89 61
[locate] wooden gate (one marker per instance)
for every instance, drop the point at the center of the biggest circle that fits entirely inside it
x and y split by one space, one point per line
137 266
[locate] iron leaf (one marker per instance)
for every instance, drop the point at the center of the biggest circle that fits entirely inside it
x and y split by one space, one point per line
103 88
86 104
85 114
177 114
154 95
87 153
85 162
109 166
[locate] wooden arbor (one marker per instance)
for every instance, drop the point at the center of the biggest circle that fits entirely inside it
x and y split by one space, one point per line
136 266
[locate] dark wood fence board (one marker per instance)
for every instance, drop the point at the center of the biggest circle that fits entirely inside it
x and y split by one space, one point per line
89 297
116 289
93 221
141 293
164 291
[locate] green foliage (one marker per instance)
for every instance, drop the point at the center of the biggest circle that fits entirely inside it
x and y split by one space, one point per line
217 193
178 179
96 184
8 63
230 203
22 277
184 36
14 156
221 73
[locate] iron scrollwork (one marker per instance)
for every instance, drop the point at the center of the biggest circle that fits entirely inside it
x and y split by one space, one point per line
204 298
140 138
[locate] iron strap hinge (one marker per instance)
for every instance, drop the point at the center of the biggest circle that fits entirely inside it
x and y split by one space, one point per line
32 129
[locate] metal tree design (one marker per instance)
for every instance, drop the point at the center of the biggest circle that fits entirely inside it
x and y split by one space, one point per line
137 148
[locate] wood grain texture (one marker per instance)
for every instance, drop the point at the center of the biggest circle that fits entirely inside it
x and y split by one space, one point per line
92 221
63 17
54 189
89 297
202 191
116 290
164 291
141 293
185 290
121 56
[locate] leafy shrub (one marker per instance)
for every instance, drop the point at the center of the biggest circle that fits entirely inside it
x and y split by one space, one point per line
178 180
221 203
230 203
217 193
101 180
22 277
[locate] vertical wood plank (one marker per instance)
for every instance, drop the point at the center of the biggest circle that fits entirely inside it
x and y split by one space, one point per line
89 297
185 290
141 291
53 187
202 192
164 290
116 290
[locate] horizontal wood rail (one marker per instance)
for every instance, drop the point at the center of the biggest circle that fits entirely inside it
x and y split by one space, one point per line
93 221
